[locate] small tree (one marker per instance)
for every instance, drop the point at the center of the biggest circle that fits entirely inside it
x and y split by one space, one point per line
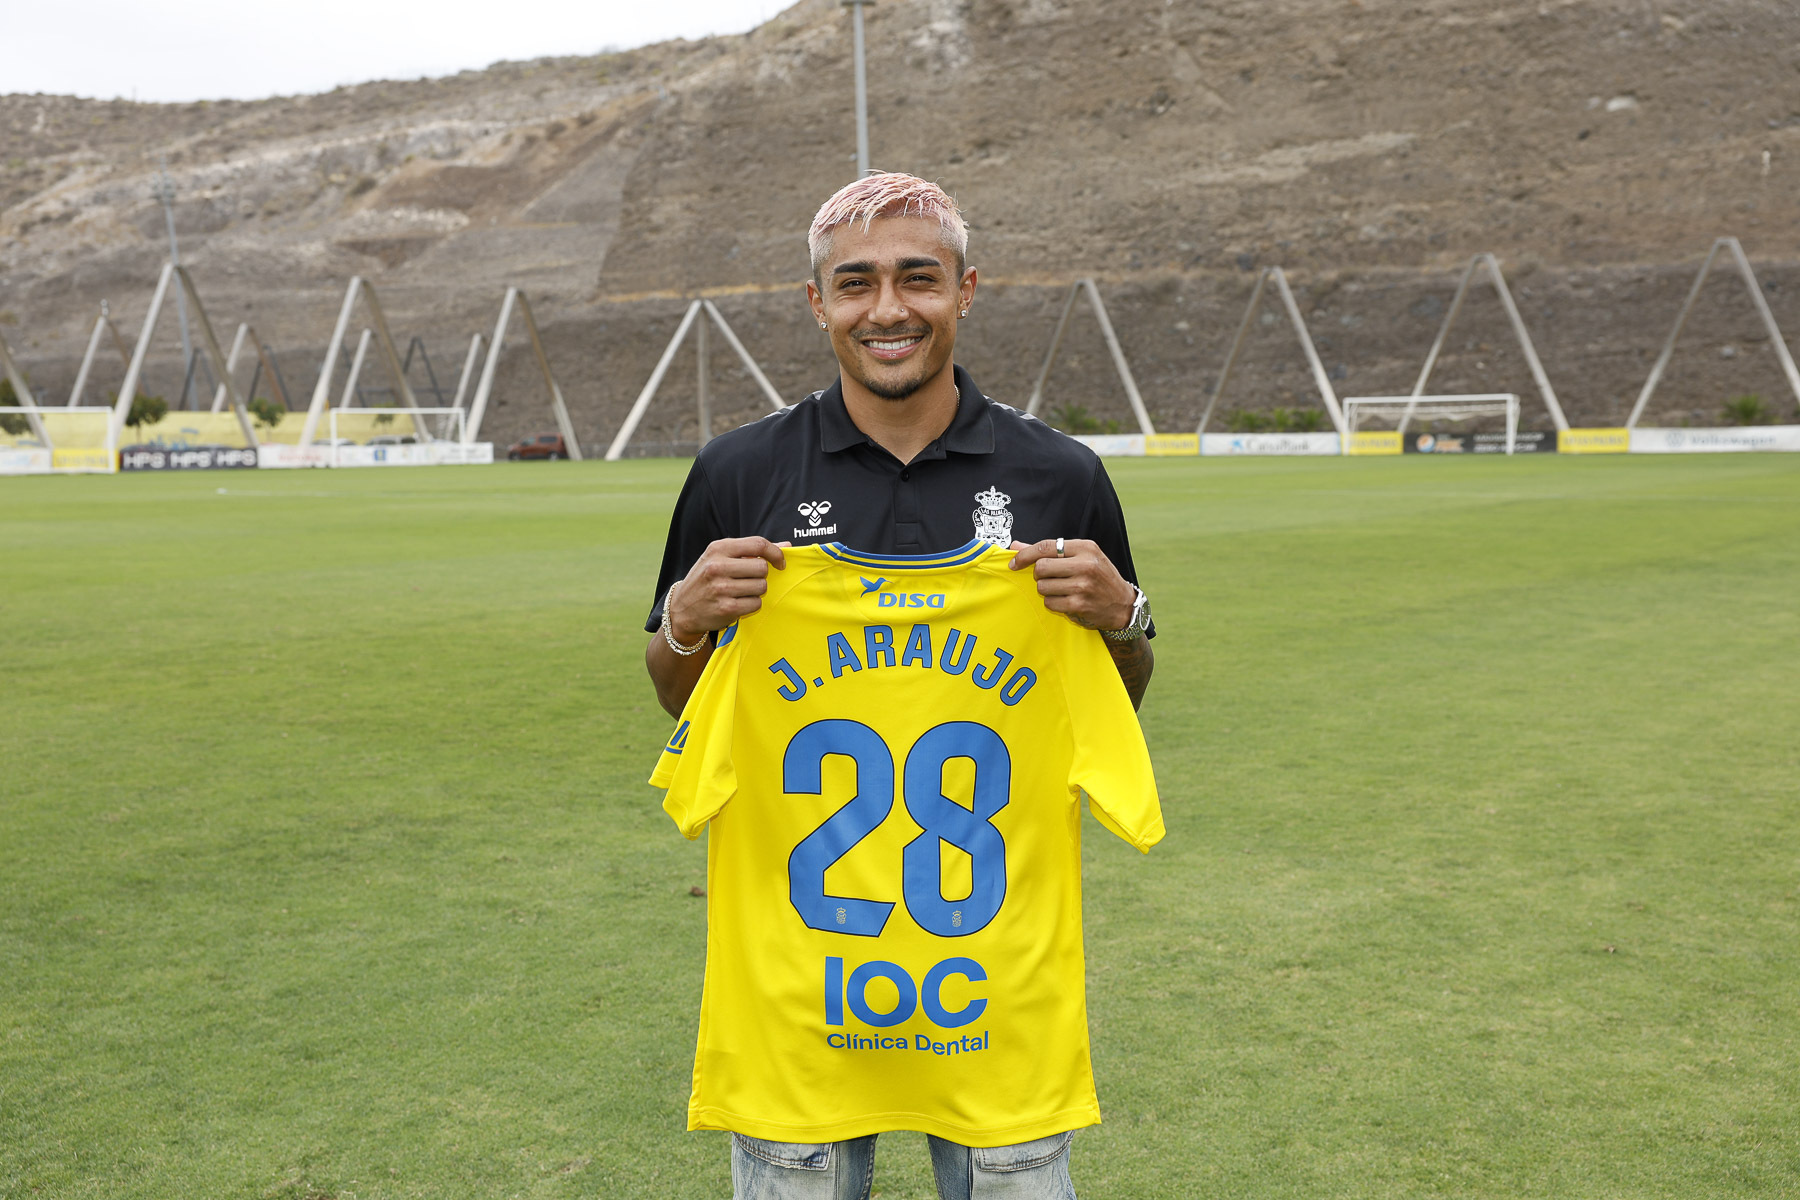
1073 418
12 423
1243 420
146 410
1293 420
266 411
1748 410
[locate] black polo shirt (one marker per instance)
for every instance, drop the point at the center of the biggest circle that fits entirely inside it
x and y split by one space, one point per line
808 474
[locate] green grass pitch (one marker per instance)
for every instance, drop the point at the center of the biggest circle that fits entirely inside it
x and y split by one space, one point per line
327 868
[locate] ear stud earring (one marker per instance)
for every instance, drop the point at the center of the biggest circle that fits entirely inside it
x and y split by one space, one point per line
963 313
821 324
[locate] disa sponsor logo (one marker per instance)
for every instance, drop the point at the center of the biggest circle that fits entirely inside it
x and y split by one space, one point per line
885 599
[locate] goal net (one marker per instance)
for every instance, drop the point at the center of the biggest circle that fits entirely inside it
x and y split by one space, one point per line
377 437
45 441
1402 410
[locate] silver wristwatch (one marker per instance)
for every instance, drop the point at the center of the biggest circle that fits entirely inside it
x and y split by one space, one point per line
1134 628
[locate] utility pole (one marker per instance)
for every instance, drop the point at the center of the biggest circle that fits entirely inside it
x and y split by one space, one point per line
165 191
862 86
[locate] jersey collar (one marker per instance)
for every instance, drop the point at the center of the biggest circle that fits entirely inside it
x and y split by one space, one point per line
964 554
971 430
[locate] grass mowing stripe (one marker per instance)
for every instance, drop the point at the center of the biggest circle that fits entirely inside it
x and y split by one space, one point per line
327 867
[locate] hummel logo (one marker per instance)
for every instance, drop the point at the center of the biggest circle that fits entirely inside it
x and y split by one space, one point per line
814 511
871 586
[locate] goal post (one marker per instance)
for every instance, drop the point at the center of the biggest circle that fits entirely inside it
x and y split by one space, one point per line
1401 410
46 441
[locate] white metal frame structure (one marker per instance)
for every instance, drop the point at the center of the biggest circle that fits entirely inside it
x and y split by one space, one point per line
102 324
468 370
27 402
247 330
455 416
134 371
1112 345
348 398
100 412
1762 310
514 301
1327 394
1451 408
1518 327
322 390
694 310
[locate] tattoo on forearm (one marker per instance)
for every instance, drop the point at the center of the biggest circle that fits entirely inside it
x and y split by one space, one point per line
1135 661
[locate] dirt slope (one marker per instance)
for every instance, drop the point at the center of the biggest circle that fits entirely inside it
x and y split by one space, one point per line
1168 148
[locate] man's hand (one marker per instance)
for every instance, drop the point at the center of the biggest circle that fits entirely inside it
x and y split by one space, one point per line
727 582
1082 584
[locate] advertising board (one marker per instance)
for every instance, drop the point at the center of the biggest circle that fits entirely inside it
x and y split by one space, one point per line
24 460
414 455
81 458
1113 445
1171 445
1593 441
1257 444
1735 440
1375 441
1526 442
282 456
187 458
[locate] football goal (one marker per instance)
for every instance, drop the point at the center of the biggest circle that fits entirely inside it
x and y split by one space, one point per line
374 437
1402 410
44 441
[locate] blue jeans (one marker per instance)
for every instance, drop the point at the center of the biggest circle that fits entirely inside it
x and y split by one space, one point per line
1037 1170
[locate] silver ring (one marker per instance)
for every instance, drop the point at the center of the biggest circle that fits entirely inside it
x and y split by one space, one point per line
1059 548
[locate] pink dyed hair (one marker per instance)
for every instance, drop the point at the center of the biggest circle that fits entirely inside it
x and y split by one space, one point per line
886 194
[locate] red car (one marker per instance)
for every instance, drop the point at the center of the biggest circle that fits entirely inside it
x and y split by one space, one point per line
545 446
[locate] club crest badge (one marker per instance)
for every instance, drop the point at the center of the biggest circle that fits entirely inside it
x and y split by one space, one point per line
993 521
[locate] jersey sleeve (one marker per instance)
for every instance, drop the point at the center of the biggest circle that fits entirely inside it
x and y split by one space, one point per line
696 765
1110 763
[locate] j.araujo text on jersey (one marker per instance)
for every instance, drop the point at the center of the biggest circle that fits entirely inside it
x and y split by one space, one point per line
890 755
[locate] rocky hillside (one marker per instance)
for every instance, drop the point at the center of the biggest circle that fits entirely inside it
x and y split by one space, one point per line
1169 149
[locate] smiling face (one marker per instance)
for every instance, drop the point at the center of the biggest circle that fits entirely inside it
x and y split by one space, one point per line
890 296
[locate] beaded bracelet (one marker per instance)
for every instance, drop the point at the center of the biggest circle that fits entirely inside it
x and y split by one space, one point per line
668 633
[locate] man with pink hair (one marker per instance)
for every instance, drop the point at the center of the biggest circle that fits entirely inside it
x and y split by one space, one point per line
901 455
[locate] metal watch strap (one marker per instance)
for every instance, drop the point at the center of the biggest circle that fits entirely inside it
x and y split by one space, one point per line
1139 623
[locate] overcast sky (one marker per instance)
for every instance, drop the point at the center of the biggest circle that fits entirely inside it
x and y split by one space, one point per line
217 49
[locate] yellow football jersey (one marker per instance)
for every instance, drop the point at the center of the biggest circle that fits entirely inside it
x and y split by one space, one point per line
890 755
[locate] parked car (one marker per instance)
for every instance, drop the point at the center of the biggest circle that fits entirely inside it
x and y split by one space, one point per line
545 446
394 439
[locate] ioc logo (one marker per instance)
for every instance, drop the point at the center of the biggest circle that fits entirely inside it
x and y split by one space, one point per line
927 993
